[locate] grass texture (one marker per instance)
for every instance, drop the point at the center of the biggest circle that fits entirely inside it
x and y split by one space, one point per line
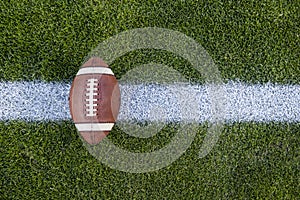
251 41
250 161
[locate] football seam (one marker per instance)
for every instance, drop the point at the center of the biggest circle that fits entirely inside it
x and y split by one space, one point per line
91 102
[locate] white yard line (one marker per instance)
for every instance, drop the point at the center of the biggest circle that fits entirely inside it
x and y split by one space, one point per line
41 101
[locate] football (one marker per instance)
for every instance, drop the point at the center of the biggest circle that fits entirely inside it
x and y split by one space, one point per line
94 100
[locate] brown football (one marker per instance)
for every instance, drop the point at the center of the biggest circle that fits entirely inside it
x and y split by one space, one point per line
94 100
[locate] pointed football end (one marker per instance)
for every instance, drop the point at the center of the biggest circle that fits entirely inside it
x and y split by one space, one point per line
95 62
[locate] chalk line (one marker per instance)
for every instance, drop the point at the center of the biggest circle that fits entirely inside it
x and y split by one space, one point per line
44 101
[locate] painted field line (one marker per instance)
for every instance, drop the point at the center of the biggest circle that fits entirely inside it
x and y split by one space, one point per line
41 101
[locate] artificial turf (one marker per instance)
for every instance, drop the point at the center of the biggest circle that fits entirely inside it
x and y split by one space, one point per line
250 41
48 160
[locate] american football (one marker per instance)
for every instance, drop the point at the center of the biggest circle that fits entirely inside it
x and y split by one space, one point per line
94 100
152 99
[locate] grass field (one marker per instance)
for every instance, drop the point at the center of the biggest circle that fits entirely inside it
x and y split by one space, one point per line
250 41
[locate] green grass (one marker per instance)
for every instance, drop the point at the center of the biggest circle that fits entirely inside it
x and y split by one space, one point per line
251 160
251 41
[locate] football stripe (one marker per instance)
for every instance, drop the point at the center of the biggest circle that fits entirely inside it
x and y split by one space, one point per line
95 70
42 101
94 126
